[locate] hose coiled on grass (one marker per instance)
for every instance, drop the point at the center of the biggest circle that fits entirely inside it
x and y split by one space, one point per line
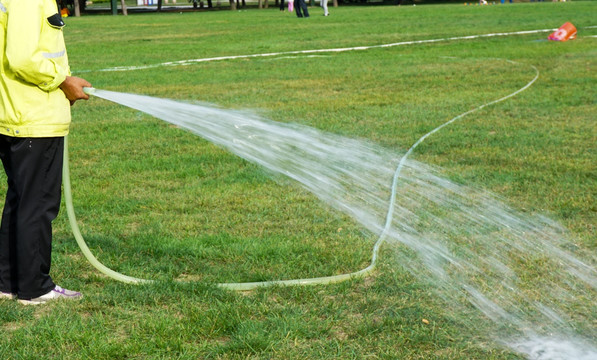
254 285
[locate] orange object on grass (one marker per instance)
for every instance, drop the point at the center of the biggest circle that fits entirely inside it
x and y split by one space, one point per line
565 32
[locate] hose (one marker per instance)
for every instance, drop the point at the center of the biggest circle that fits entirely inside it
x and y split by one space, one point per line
246 286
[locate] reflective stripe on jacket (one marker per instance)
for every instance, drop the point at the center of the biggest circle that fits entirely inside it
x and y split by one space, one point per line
34 64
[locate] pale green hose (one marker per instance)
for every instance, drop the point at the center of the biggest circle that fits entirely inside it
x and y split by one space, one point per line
254 285
231 286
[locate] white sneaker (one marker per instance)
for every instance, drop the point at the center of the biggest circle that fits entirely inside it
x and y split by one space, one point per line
4 295
56 293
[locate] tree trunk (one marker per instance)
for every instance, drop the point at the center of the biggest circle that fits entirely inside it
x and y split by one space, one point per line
77 9
124 12
335 3
232 5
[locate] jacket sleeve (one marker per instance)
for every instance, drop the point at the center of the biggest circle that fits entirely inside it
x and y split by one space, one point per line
23 51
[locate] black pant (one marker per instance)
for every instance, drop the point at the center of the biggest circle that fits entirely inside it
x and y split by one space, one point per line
34 170
301 4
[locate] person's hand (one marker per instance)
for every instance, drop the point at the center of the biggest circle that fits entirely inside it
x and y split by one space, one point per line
72 87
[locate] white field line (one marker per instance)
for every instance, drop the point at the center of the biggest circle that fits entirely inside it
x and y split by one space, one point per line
233 57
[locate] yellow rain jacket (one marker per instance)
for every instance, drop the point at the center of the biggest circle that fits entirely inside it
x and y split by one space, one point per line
34 64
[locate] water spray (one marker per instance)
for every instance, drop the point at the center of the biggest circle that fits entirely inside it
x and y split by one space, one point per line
465 243
246 286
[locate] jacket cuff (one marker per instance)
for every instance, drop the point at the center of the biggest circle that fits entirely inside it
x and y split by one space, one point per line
54 84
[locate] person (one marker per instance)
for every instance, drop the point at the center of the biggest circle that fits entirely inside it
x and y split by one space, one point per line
36 92
301 5
324 5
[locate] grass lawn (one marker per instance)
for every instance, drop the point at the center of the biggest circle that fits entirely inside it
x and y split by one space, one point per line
154 201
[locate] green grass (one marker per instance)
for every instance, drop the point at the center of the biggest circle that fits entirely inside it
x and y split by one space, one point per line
155 201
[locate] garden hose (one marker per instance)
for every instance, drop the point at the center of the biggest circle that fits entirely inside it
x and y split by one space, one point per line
246 286
230 286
